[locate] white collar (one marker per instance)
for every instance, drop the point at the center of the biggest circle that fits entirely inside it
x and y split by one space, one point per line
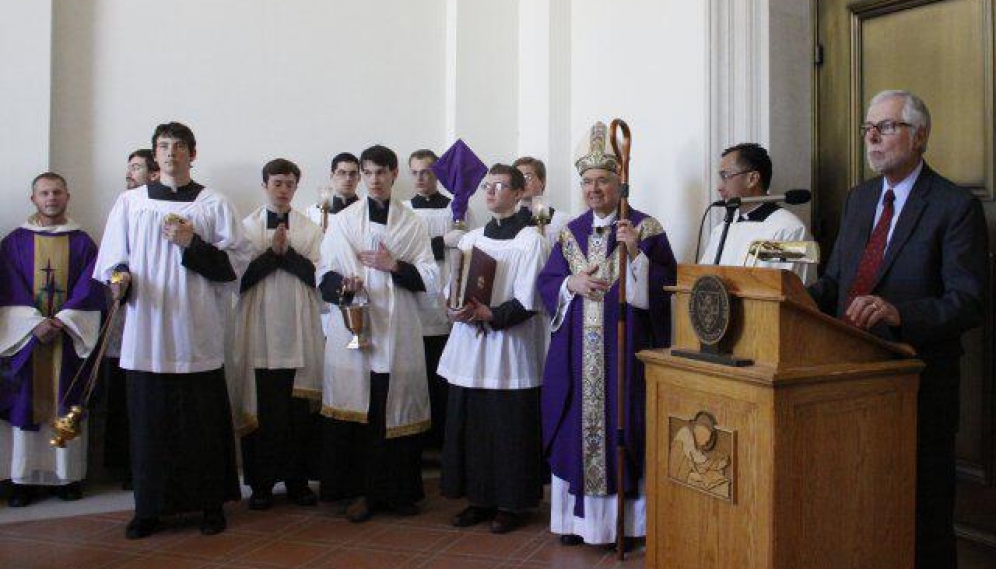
606 221
66 227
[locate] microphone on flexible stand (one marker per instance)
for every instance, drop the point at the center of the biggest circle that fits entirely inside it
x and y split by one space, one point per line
791 197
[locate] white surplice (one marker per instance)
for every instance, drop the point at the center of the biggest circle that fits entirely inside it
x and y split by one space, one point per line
176 318
393 324
781 225
432 309
276 323
503 359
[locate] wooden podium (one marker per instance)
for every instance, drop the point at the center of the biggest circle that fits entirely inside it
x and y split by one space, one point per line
804 459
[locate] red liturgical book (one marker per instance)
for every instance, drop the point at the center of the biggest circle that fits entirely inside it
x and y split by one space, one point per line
475 278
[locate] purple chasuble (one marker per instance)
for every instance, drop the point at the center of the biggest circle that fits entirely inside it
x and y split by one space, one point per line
578 431
25 255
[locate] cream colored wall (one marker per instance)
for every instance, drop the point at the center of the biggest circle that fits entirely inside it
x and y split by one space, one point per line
304 79
255 80
645 61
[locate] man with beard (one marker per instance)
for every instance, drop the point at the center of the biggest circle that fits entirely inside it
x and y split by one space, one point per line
49 322
141 170
909 265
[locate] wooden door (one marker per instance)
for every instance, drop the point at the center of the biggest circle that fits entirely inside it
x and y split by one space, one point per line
942 50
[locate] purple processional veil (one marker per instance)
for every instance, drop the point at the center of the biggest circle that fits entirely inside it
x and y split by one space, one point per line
460 171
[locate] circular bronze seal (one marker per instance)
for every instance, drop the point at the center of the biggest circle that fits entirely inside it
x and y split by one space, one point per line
709 308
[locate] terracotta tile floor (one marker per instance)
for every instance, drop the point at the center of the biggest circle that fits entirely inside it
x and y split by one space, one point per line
315 538
293 537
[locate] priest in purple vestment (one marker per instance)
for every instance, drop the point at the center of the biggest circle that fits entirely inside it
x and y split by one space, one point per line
49 322
580 289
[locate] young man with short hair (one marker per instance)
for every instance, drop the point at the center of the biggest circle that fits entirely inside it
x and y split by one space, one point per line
345 177
378 252
534 172
277 343
434 209
49 323
177 250
745 171
493 450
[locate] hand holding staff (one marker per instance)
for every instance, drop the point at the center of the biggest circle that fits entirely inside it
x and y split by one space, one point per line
621 150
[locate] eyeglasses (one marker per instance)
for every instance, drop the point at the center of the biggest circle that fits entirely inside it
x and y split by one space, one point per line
725 176
529 177
885 127
489 187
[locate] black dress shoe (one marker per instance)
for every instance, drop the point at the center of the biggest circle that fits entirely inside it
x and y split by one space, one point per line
359 510
629 543
472 515
302 495
213 522
70 492
141 527
571 540
260 501
21 495
505 522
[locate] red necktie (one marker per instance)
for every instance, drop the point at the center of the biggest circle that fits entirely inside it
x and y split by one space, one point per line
871 259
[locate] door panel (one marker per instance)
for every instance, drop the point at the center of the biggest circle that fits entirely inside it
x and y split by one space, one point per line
943 51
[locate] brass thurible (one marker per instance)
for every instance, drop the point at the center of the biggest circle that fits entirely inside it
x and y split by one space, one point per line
354 316
67 427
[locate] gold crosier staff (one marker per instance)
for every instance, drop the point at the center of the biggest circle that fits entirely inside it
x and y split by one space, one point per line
621 149
69 426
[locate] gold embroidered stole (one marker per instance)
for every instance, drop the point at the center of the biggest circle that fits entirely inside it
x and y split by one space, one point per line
594 439
51 281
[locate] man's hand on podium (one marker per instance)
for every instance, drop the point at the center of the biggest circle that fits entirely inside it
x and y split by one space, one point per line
867 311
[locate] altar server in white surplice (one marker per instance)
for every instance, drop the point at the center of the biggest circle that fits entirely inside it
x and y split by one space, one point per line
745 171
493 360
434 209
141 170
534 172
277 343
345 177
182 250
376 397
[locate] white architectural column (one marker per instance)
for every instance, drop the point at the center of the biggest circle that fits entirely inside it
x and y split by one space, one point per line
759 87
544 54
482 76
25 112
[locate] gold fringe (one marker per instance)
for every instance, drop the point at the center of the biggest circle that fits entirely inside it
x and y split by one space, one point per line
251 424
406 430
302 393
392 432
344 414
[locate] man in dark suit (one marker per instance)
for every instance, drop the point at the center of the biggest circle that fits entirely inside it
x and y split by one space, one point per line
909 266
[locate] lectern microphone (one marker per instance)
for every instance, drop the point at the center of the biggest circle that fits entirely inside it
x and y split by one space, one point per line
791 197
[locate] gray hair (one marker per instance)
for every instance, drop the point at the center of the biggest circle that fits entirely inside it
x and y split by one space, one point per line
914 111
